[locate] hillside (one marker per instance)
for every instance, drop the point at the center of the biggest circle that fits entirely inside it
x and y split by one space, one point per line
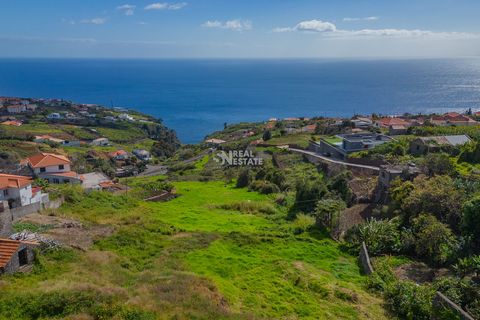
190 258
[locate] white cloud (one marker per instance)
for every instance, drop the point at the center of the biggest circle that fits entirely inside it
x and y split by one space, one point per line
94 21
128 9
330 30
237 24
310 26
361 19
166 6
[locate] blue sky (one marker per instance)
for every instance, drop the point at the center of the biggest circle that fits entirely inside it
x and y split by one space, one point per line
232 29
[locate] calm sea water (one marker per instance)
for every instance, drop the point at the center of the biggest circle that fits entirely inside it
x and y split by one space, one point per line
195 97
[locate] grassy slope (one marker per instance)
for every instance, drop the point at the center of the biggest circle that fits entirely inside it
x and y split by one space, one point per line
190 259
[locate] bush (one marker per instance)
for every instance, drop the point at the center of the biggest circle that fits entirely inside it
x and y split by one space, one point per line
244 178
264 187
328 212
410 301
302 223
308 193
250 207
380 236
434 240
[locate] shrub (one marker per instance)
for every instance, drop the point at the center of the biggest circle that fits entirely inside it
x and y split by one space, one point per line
302 223
380 236
410 301
250 207
308 193
328 211
244 178
433 240
264 187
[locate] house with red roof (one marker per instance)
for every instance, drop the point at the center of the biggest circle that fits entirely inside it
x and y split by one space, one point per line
391 121
453 119
119 155
18 191
52 167
16 255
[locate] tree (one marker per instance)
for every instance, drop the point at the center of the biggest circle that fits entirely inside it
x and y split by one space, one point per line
433 240
308 193
327 212
267 135
471 223
437 195
438 164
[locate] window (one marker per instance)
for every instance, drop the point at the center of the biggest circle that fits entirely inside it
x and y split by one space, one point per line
61 167
66 181
5 192
43 169
55 180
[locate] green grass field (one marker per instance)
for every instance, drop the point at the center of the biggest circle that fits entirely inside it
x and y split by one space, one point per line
191 258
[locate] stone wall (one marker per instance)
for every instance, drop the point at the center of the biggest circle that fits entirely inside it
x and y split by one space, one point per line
14 264
365 260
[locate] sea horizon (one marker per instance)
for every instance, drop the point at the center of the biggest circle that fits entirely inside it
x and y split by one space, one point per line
197 96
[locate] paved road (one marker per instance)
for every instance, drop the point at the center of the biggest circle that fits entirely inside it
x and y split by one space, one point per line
328 159
154 170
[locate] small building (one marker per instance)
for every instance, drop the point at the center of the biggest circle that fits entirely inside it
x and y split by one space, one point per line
391 121
119 155
54 116
397 129
142 154
94 180
53 167
214 142
424 145
388 173
20 108
100 142
349 143
15 255
309 128
48 138
18 191
125 116
362 122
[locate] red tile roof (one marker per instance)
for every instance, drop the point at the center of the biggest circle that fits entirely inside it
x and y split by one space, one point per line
117 153
7 249
386 122
13 181
47 159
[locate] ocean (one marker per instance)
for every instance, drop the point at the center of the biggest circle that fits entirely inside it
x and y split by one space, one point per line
196 97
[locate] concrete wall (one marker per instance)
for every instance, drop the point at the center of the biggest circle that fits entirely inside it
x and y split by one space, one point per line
365 260
20 212
5 220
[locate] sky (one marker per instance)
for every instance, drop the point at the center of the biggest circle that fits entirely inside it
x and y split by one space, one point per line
239 28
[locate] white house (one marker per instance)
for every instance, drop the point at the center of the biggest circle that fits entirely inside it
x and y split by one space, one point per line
125 116
53 167
54 116
17 190
66 143
100 142
16 108
142 154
